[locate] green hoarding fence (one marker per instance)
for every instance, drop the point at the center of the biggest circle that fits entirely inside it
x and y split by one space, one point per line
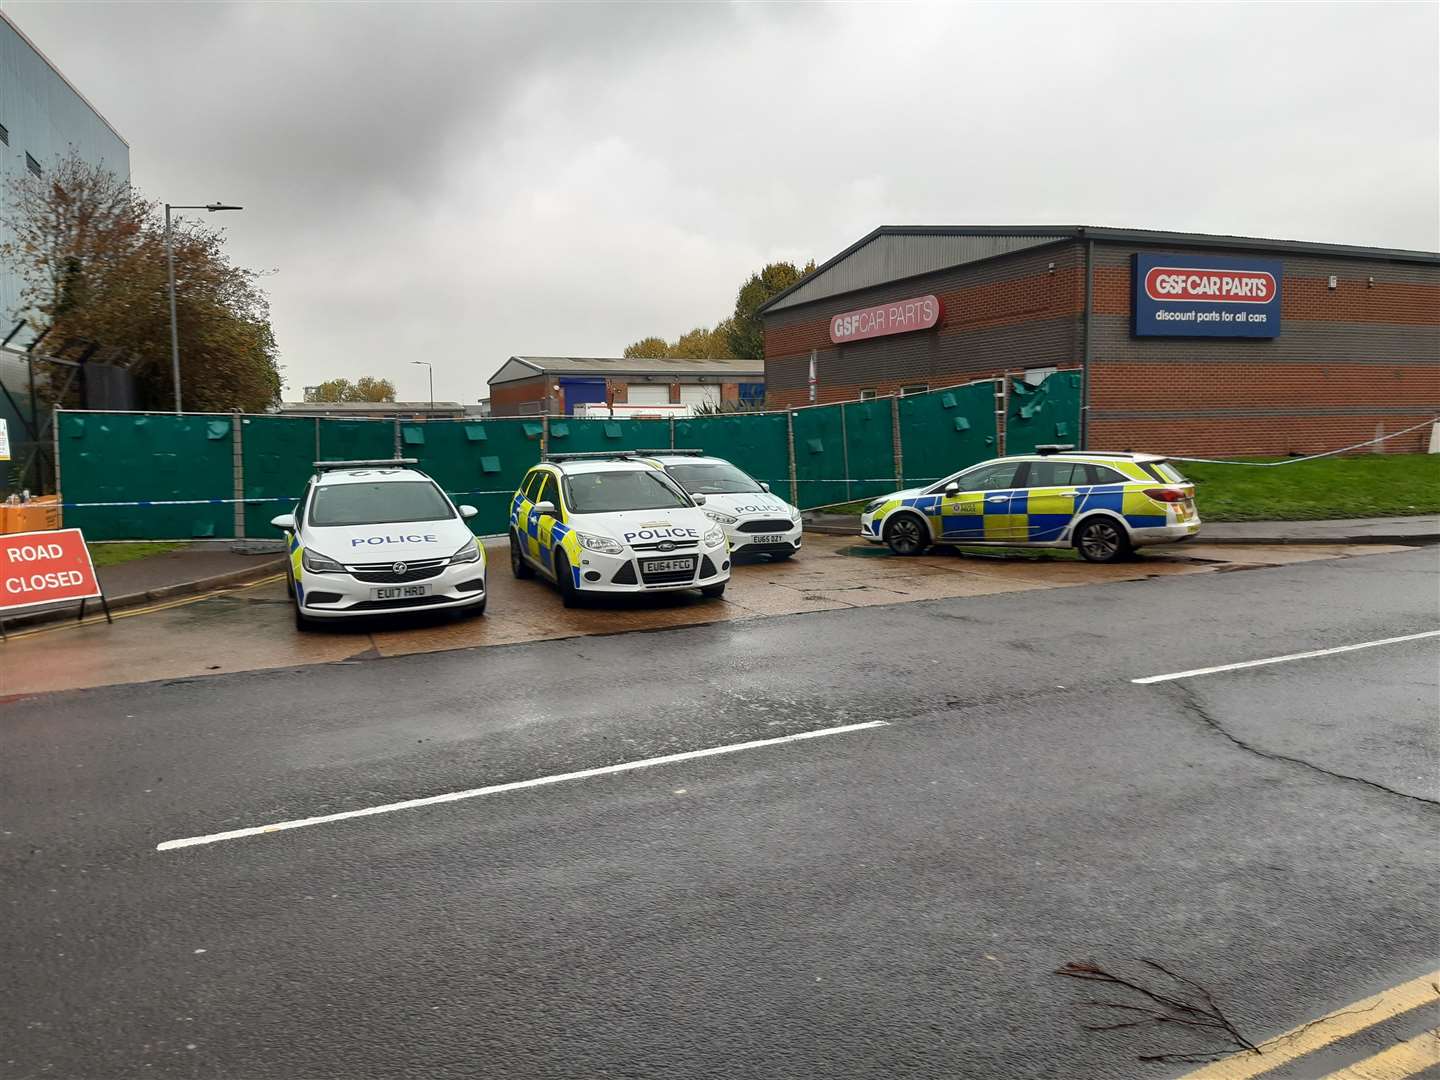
1046 413
148 458
188 477
946 430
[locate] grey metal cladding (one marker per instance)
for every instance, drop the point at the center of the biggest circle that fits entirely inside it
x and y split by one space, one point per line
890 256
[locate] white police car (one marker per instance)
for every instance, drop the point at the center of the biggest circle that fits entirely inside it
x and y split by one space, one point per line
611 523
379 536
755 521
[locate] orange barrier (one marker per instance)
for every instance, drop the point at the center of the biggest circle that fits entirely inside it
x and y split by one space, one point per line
36 515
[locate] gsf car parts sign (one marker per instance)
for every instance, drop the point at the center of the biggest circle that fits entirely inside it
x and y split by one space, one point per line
1185 296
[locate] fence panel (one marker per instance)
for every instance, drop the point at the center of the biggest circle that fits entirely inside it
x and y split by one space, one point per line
479 462
870 449
820 478
144 457
571 436
946 430
275 452
755 442
1047 413
355 440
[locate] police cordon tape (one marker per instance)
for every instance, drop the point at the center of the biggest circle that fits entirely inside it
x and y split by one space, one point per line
1310 457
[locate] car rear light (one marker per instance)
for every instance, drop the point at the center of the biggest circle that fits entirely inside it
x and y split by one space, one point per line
1167 494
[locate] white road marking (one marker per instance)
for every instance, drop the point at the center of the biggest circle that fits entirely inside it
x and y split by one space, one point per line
495 789
1284 659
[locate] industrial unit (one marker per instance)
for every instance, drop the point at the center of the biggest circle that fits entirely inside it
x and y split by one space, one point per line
1189 343
535 385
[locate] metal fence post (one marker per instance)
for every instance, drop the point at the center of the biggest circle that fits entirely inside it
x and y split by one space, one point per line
790 446
544 435
55 444
899 443
237 460
317 438
1002 413
672 432
395 445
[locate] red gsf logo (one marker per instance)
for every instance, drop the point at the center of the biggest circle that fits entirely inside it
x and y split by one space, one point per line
1212 286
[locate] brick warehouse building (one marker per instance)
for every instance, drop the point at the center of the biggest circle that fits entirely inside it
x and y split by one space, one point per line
1226 344
531 385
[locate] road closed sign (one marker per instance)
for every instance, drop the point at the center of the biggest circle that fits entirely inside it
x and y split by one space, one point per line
45 567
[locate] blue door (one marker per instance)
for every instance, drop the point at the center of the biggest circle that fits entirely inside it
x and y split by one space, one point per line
578 391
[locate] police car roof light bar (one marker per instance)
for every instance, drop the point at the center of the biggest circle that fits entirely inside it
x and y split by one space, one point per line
368 463
1054 448
671 453
593 455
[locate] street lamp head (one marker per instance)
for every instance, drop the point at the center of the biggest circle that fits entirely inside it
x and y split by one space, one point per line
424 363
212 207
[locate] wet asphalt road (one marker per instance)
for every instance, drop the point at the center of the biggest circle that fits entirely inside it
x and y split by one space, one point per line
889 902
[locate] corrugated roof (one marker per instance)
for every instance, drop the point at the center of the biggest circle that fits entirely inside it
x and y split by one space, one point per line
894 252
527 367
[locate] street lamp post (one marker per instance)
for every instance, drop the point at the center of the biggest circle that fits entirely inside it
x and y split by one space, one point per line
431 369
170 273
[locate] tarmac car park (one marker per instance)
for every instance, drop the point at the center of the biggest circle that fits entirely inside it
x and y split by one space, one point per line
1103 504
755 521
372 537
612 523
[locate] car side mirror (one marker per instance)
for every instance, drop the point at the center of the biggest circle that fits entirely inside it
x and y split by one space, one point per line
952 489
285 522
764 487
545 509
467 512
699 499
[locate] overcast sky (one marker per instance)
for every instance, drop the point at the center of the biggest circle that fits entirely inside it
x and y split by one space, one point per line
460 183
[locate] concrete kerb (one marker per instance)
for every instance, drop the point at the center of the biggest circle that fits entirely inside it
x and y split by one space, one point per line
246 576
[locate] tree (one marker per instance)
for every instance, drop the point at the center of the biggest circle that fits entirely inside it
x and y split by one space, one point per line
365 388
699 344
650 348
746 334
90 252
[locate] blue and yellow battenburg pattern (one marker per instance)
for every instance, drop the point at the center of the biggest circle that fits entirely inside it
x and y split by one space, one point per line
1028 515
296 568
542 535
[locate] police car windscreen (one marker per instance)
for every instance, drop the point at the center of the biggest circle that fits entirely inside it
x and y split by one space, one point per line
609 492
376 504
712 478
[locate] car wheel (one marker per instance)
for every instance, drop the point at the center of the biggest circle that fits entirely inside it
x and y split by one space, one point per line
518 566
565 581
303 623
290 583
1102 540
713 592
905 535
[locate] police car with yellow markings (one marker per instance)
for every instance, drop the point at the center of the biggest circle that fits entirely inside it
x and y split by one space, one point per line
372 537
755 521
1103 504
613 523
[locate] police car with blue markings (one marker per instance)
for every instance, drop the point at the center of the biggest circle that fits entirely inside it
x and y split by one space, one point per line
370 537
755 521
1104 505
613 523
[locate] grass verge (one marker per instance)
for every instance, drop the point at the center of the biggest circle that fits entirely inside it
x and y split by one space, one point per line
110 554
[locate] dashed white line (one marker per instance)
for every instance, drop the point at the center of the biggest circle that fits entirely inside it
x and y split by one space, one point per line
496 789
1284 659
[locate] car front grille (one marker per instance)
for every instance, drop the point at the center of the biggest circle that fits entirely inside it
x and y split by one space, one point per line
403 602
767 525
625 575
688 545
384 573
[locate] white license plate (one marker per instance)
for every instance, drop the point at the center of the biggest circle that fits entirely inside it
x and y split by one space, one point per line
664 566
770 538
399 592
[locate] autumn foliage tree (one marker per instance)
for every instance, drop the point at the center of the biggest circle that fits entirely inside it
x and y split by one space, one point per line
365 388
90 252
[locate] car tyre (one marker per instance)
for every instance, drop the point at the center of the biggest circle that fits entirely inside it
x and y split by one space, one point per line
905 535
565 581
518 566
713 592
290 583
303 623
1102 540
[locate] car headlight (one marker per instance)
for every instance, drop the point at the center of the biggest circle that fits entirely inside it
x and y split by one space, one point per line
602 544
723 519
873 505
715 537
319 564
795 514
468 553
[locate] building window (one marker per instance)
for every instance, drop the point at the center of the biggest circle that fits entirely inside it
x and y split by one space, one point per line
4 135
752 393
914 388
869 394
32 165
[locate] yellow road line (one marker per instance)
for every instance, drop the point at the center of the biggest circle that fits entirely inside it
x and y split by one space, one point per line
129 612
1397 1063
1328 1029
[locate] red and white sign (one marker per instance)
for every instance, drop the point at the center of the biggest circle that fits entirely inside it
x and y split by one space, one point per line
900 317
43 567
1212 286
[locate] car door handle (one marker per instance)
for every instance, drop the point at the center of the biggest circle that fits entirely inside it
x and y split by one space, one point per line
998 498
